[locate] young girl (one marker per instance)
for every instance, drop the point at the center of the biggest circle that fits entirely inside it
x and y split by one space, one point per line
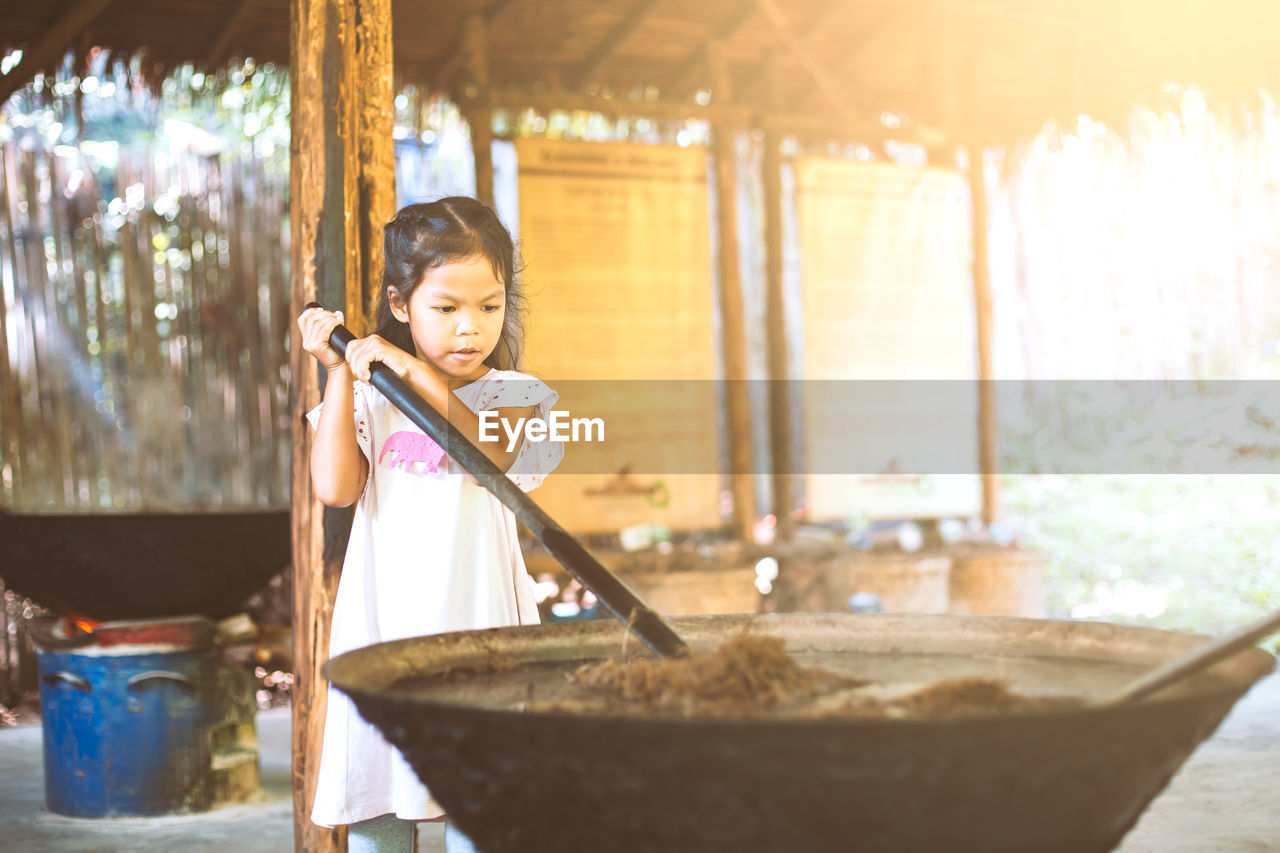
430 551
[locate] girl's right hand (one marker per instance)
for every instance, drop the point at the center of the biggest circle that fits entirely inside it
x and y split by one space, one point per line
317 325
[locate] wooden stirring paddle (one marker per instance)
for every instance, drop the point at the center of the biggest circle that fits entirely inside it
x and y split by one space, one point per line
622 601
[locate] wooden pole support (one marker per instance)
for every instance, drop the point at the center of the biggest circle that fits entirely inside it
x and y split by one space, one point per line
438 78
375 172
965 99
476 101
988 460
679 80
782 480
341 183
732 312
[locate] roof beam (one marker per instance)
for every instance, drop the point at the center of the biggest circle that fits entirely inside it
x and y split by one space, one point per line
802 124
678 80
453 58
521 99
852 49
222 42
816 26
476 106
782 28
749 82
821 127
1008 12
60 33
619 34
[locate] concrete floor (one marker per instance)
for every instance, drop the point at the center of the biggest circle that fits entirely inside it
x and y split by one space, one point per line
1224 799
264 826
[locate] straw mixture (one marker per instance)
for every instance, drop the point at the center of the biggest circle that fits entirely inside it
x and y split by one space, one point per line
753 676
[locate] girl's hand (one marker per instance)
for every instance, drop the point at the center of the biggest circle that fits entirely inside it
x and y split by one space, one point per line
362 352
316 325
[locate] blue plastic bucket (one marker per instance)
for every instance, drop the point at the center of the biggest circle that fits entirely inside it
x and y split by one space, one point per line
132 719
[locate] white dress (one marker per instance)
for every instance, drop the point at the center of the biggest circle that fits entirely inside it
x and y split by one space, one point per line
429 552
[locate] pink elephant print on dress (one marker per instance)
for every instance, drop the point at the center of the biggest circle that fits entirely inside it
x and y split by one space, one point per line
410 447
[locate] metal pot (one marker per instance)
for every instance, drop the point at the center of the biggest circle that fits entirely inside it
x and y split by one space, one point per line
1068 780
109 566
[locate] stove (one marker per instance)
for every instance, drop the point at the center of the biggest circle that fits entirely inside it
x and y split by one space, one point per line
142 717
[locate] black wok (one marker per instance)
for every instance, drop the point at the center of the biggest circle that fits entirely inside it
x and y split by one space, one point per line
1062 780
143 565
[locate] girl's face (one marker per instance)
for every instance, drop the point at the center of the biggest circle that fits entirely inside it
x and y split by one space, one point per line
455 317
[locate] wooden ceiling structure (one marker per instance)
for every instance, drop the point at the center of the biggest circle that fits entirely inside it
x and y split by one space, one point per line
939 71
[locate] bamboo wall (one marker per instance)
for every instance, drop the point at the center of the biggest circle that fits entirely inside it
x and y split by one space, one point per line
1153 256
143 329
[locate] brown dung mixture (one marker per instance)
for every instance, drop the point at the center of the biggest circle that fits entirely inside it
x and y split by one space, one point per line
749 674
753 676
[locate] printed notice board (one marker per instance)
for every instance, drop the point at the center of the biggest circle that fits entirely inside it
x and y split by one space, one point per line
887 294
616 245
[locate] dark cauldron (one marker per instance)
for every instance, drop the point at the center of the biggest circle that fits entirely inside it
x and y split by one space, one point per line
525 781
109 566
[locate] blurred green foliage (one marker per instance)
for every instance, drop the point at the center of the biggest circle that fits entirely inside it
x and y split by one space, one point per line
1195 553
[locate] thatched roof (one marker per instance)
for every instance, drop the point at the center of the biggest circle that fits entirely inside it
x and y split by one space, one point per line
1025 61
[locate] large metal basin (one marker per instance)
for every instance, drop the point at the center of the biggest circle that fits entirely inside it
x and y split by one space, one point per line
1054 781
143 565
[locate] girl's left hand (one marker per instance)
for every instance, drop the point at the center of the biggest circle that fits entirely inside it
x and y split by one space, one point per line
362 352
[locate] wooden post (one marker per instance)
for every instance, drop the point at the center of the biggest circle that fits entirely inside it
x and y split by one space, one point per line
732 313
476 104
988 461
679 80
964 100
341 180
375 184
440 74
782 480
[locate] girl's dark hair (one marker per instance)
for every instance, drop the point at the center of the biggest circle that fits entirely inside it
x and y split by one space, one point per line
425 236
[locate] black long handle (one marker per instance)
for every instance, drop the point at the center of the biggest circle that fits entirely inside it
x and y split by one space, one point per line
621 600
